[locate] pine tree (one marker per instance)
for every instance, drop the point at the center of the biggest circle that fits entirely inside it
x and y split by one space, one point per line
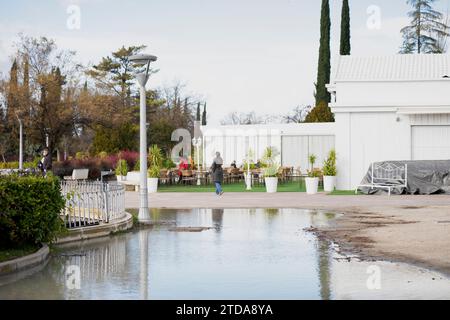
324 66
197 118
345 29
426 30
204 116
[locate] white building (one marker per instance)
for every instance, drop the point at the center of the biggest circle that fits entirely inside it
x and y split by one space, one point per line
294 142
386 108
389 108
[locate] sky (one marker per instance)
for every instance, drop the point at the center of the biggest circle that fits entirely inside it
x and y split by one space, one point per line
238 55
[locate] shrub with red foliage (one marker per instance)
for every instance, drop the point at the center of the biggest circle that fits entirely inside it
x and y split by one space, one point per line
131 157
95 165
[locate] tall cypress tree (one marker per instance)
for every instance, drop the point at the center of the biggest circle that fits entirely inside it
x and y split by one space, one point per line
321 112
324 67
204 115
13 87
345 29
197 118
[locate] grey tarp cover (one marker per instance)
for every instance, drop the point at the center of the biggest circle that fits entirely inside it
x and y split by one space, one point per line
424 177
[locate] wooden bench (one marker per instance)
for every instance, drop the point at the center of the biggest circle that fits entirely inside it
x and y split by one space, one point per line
78 174
387 176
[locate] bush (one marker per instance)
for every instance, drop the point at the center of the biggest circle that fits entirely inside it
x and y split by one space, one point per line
329 165
122 168
131 157
95 166
30 210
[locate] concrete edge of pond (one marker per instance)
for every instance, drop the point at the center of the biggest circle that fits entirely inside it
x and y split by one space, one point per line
93 232
25 262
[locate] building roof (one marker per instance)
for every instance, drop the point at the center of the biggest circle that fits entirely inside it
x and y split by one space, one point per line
392 68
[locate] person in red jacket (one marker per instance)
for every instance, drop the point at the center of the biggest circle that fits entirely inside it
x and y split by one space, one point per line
183 165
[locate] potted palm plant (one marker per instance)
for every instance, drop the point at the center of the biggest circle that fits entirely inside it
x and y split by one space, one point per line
270 169
155 160
121 170
312 181
271 178
330 172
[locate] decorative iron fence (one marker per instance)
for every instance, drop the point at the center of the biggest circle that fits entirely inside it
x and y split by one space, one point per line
92 203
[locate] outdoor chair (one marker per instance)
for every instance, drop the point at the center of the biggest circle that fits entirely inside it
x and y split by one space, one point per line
187 176
164 176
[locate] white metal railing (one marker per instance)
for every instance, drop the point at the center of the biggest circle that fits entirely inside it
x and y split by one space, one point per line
92 203
387 175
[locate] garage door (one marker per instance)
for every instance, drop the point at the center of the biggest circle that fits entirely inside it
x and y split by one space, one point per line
431 142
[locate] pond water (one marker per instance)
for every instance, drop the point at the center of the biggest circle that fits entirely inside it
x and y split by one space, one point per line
247 254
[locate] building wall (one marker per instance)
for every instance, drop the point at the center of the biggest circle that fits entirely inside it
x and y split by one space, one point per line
294 142
393 94
366 137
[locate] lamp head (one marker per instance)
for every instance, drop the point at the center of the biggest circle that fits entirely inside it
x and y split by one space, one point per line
143 58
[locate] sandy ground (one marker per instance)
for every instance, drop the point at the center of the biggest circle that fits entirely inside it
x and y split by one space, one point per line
412 229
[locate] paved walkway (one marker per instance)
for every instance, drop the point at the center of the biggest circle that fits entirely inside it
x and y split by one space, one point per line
283 200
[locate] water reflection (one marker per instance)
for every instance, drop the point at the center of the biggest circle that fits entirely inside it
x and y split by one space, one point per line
217 218
248 254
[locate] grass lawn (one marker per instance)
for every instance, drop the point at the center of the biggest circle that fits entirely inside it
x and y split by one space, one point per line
344 193
235 187
10 254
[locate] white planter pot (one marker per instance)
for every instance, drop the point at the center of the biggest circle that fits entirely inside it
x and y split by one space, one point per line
271 184
134 176
121 178
152 185
312 185
329 183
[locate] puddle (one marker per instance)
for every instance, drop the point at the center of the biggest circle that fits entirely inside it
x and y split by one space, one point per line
222 254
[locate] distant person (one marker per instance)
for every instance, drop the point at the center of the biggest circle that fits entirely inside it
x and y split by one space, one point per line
45 164
233 164
181 167
217 173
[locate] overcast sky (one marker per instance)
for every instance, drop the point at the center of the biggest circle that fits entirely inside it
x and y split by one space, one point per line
240 55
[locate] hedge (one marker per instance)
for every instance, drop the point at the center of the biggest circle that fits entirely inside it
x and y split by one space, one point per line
30 210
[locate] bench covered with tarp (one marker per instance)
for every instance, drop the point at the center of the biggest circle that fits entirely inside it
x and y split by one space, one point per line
420 177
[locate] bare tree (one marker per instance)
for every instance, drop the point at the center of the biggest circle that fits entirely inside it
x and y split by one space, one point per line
235 118
298 115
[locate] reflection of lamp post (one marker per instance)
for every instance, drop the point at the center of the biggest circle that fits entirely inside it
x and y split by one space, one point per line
197 142
142 78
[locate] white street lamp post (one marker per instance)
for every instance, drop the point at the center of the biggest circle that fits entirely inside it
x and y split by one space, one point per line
142 78
20 143
197 143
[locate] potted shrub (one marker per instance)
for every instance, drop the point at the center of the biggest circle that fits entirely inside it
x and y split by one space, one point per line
155 160
330 172
271 178
121 170
312 181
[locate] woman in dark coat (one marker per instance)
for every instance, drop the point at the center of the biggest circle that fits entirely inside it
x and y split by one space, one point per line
217 173
45 164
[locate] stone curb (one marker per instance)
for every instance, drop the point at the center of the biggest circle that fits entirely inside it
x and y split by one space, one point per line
25 262
102 230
